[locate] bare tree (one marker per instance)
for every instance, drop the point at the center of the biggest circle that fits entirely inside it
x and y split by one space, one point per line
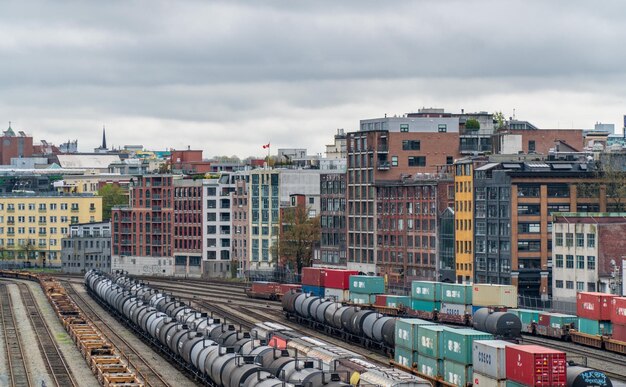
300 233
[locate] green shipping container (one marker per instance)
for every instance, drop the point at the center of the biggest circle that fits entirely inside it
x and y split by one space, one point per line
357 298
430 341
429 366
365 284
526 316
425 306
405 356
456 373
456 293
558 320
593 327
457 344
510 383
407 332
426 290
396 301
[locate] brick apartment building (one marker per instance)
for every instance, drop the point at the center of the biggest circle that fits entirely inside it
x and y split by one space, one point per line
389 149
143 232
14 146
333 219
187 225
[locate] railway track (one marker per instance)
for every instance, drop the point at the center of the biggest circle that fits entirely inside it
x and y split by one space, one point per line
56 364
596 359
142 366
18 375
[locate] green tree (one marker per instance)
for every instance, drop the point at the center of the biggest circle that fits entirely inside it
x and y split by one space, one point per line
300 233
498 120
609 177
112 195
472 124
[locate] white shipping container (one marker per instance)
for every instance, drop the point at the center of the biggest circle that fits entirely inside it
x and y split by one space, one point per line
480 380
489 358
455 309
494 295
339 295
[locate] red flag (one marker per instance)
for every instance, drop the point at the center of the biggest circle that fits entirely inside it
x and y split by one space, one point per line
266 146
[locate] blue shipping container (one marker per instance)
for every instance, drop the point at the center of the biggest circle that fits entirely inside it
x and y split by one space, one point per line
314 290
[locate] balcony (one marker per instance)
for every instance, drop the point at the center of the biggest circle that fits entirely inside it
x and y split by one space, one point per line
42 223
157 220
10 222
10 209
92 209
382 148
383 165
156 208
74 209
42 211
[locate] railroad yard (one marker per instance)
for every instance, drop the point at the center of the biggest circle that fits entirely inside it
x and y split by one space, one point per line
38 348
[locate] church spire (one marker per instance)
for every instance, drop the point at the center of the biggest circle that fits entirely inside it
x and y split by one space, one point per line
104 138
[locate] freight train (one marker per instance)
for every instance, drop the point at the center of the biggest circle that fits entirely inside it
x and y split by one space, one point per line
221 355
537 325
372 329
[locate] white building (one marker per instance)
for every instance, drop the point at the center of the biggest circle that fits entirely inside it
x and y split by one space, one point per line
587 249
270 190
217 224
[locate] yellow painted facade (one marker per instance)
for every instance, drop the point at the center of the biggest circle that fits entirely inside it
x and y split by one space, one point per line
464 220
80 184
31 226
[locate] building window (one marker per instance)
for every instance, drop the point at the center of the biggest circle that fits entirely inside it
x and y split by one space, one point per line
559 284
417 161
531 145
569 284
404 127
442 128
410 145
569 239
580 286
591 286
591 262
580 239
580 261
559 260
591 240
569 262
394 161
558 239
449 160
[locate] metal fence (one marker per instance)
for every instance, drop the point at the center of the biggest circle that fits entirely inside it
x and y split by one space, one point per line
527 302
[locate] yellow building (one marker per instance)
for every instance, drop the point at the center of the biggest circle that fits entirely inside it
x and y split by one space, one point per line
32 225
464 220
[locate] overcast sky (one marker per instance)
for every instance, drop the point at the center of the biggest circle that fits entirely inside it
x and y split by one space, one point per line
228 76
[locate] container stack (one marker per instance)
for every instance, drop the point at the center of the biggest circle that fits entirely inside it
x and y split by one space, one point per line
313 280
364 288
489 362
392 301
594 312
487 295
337 284
533 365
407 340
618 318
552 324
458 356
430 346
425 298
456 302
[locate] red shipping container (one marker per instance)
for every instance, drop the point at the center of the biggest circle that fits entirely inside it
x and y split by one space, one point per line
594 306
618 310
278 342
619 332
534 365
313 276
381 300
284 288
262 287
544 319
338 278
